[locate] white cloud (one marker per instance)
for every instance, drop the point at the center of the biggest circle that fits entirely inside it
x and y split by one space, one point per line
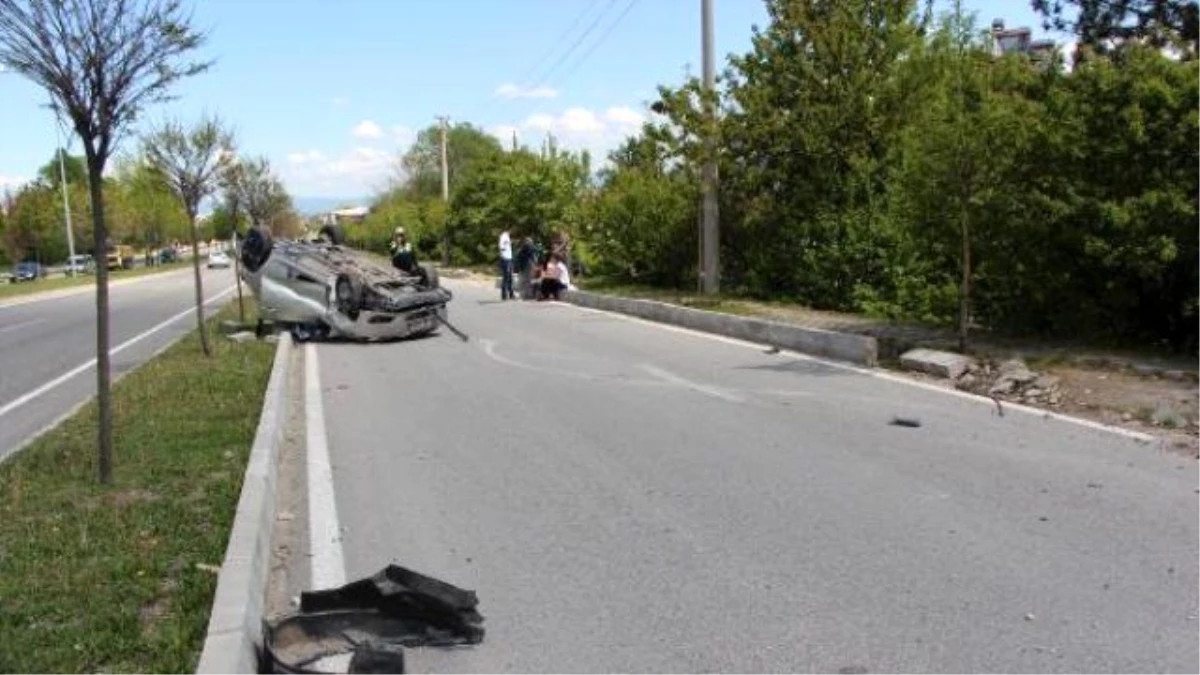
10 181
625 117
305 157
368 130
576 128
358 171
510 90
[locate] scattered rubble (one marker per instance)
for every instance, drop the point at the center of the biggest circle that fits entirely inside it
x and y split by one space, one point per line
1011 381
243 336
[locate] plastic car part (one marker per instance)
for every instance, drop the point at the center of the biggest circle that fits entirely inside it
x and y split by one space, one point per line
363 626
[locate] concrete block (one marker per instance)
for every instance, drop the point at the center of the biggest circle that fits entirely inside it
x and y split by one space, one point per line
934 362
859 349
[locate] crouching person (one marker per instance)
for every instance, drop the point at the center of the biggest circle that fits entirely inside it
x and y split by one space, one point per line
555 279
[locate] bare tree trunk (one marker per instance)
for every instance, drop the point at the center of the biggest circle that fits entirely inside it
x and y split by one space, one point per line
199 287
104 431
237 264
964 300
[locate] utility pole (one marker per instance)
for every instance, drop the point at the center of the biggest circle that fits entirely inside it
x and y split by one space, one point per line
62 177
445 192
710 241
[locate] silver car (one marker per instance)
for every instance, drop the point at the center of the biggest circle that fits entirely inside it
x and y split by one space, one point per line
326 290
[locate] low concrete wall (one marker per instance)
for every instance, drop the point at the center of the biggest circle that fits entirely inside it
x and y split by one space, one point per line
235 626
860 349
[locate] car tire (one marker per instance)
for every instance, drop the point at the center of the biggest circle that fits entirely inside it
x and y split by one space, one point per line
334 234
256 248
431 276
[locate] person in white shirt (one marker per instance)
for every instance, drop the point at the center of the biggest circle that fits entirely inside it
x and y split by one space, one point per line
555 279
506 267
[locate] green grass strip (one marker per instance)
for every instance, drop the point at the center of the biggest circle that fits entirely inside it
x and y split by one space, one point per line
113 578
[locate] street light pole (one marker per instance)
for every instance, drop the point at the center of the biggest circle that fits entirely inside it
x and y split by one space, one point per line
710 239
62 177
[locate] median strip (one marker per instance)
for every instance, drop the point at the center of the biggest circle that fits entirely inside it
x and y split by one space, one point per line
120 578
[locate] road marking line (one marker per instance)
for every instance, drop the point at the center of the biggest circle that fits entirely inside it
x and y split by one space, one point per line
26 398
324 535
21 324
1029 410
688 384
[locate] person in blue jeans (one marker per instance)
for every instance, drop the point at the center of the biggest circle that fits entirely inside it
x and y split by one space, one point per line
506 267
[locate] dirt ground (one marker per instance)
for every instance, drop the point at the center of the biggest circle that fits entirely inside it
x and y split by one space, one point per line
1154 405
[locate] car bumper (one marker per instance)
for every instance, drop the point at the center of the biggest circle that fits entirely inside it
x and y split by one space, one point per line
372 326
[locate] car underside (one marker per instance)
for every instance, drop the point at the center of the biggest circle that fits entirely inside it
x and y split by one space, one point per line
325 290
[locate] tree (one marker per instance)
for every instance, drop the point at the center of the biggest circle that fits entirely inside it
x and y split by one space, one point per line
1099 23
75 166
101 62
467 146
811 114
518 191
265 199
191 161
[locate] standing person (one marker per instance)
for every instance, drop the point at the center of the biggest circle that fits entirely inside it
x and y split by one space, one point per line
525 260
506 267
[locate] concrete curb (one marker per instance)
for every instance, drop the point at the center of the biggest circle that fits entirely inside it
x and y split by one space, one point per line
859 349
235 626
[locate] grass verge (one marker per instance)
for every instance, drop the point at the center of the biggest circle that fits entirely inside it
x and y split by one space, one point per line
114 578
9 290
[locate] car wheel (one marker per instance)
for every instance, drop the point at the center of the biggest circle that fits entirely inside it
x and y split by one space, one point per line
347 295
431 276
256 248
334 234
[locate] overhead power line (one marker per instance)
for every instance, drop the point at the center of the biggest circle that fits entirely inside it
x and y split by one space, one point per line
603 36
537 64
545 78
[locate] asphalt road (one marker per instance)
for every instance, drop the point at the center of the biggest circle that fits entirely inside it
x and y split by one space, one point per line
631 498
48 342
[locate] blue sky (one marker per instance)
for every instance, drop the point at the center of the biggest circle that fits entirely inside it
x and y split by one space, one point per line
331 91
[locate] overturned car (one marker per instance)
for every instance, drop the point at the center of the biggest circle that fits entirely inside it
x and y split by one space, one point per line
325 290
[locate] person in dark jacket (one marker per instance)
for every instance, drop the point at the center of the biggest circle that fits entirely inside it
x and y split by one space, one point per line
524 262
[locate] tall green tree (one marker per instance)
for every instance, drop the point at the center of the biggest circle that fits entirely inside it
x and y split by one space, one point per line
1100 23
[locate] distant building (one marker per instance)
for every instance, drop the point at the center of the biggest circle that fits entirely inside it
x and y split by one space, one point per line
1020 41
354 214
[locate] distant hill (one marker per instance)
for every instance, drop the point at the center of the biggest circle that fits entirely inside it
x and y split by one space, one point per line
309 206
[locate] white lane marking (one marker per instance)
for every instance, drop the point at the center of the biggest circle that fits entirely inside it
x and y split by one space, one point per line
69 413
672 378
26 398
324 535
489 348
1029 410
21 324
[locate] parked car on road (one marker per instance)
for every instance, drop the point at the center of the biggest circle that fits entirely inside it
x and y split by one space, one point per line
27 271
80 264
218 259
168 255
